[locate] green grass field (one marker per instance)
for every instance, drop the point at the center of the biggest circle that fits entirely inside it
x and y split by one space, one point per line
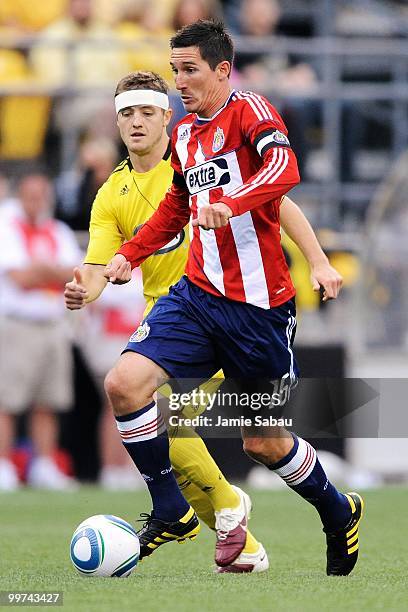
35 530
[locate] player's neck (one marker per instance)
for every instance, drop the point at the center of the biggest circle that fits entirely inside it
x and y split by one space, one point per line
144 163
216 103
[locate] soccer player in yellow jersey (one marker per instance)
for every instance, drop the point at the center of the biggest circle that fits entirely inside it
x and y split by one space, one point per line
123 204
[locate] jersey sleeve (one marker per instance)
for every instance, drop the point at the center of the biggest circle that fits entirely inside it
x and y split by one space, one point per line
104 235
170 218
263 128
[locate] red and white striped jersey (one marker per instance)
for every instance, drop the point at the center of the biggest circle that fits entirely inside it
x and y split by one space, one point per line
240 156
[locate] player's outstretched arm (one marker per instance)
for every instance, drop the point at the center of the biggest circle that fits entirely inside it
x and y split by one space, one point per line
86 286
274 179
298 228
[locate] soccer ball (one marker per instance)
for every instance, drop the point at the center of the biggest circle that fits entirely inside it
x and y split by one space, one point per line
105 545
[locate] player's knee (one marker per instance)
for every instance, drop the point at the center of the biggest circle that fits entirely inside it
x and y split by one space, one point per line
257 449
115 386
128 390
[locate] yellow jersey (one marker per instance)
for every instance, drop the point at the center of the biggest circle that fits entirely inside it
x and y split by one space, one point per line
122 205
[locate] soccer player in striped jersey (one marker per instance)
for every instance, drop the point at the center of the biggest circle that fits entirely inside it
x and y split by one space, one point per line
123 204
233 163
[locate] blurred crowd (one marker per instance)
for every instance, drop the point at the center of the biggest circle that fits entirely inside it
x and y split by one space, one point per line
59 65
39 373
60 62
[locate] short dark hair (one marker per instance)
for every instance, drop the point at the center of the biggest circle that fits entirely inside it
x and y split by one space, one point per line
212 39
142 80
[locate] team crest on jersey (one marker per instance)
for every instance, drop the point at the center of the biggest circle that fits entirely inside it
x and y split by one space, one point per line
141 333
218 140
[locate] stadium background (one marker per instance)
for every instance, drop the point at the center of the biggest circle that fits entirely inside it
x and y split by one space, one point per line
337 71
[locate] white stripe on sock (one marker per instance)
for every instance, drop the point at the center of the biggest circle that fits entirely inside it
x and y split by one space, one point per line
300 466
144 427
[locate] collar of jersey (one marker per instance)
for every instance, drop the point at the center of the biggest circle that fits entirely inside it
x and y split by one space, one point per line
165 157
202 120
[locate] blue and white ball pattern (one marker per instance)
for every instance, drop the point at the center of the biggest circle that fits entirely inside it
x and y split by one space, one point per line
105 545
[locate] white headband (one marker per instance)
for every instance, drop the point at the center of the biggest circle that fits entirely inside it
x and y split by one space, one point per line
142 97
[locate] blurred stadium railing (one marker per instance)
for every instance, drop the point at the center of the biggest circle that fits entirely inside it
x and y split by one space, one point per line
371 74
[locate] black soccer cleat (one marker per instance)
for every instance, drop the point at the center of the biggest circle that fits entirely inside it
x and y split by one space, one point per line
342 545
155 532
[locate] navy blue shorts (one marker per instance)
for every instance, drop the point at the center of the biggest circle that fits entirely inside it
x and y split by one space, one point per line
193 334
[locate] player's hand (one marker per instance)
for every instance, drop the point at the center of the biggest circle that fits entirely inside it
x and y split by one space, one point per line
323 275
75 293
213 216
118 271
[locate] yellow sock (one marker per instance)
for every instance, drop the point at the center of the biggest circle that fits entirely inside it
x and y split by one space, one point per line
199 500
203 507
201 481
189 456
210 387
194 409
251 544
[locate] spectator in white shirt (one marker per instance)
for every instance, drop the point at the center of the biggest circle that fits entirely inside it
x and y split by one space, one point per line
36 258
